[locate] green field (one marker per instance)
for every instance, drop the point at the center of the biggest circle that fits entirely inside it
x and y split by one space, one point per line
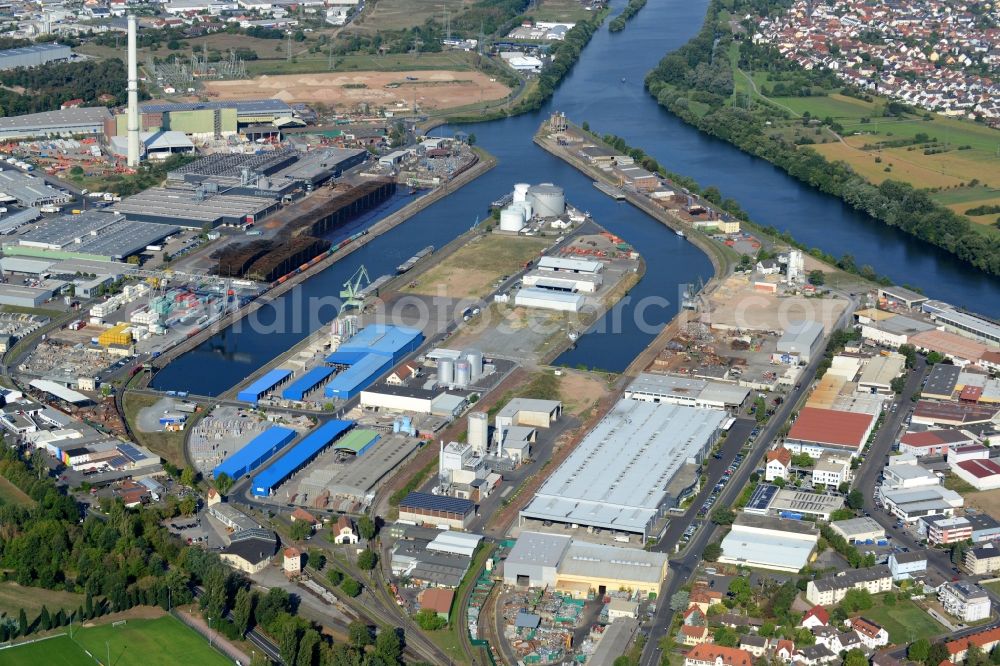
161 642
11 494
571 11
14 597
905 621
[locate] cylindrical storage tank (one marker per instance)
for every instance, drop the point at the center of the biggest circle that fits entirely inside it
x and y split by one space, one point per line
463 373
511 219
479 430
475 359
446 372
520 191
547 200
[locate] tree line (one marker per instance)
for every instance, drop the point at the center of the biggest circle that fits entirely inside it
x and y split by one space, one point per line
123 558
48 86
695 84
631 9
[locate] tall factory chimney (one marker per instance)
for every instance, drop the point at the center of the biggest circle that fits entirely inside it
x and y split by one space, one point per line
132 116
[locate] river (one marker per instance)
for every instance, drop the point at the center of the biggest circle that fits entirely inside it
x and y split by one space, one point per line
605 88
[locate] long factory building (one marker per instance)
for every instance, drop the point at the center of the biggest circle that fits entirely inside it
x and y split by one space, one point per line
97 235
267 481
633 466
254 453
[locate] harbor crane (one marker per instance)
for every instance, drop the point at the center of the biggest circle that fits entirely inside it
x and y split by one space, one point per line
353 288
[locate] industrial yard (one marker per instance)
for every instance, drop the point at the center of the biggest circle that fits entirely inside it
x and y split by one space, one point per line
428 89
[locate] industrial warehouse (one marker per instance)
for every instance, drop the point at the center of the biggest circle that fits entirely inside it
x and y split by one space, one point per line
581 569
95 235
266 482
639 461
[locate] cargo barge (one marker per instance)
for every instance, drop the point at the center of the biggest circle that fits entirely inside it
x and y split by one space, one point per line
414 260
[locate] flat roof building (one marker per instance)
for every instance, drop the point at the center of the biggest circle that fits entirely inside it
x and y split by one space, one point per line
769 543
546 299
454 512
792 503
264 384
34 55
804 338
579 569
65 122
617 478
902 296
267 481
941 382
188 207
859 529
254 453
911 504
687 391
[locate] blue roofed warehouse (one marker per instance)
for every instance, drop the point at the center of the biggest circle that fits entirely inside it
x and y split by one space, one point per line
253 454
369 354
298 389
262 385
268 480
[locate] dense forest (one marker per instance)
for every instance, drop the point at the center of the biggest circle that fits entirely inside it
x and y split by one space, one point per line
45 88
696 84
123 558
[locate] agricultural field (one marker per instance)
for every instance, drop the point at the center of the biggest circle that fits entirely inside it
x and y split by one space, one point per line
403 14
472 269
363 62
14 597
161 642
435 89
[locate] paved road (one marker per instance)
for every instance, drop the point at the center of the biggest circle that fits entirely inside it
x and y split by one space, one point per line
683 568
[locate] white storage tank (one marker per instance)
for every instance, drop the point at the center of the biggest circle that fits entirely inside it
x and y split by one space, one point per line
511 219
446 372
547 200
463 373
520 192
475 359
479 430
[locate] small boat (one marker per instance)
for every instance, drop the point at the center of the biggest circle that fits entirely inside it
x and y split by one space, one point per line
623 79
573 336
680 233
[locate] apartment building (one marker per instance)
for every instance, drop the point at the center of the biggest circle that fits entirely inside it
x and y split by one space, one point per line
831 590
965 600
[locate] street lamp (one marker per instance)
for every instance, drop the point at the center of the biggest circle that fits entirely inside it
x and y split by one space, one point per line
209 632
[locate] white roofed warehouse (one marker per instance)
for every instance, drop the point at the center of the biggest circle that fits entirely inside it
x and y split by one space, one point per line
769 543
638 461
804 338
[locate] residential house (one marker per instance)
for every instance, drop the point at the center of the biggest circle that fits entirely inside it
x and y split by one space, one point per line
784 650
306 517
693 635
755 645
982 559
707 654
908 565
872 635
703 597
985 640
292 561
817 616
814 655
849 640
694 617
831 471
831 590
400 375
779 463
965 600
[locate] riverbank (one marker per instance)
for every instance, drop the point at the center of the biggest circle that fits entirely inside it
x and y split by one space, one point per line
483 164
706 103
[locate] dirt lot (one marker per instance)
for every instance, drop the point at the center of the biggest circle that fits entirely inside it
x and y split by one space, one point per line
581 390
434 89
401 14
987 501
736 305
472 269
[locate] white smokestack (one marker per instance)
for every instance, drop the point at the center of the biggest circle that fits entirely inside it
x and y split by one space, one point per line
132 117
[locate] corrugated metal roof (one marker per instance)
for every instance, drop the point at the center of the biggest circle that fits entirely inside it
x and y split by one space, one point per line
302 452
307 382
249 454
263 384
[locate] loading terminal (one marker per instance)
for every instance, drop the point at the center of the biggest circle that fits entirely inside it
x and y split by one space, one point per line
369 354
298 389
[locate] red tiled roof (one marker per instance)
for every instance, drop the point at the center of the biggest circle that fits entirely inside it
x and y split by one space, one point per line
781 454
786 644
981 469
831 427
933 438
980 639
438 599
292 552
302 514
819 613
971 394
730 656
863 626
694 631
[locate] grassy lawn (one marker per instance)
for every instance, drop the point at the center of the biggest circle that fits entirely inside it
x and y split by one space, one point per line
11 494
952 482
169 445
905 621
472 269
14 597
400 14
993 587
161 642
570 11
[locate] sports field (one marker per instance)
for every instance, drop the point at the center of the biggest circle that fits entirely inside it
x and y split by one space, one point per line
161 642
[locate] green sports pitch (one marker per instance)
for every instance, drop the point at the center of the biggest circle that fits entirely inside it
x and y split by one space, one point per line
161 642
